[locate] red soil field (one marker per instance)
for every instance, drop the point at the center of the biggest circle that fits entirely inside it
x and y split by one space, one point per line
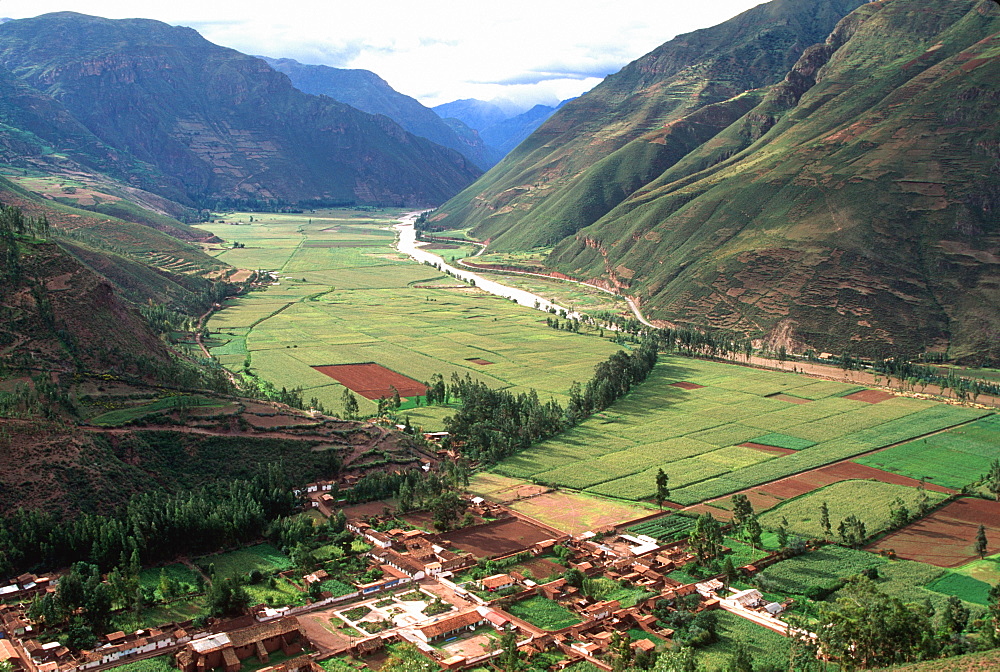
500 538
687 386
946 537
542 568
767 449
371 380
480 362
871 396
790 399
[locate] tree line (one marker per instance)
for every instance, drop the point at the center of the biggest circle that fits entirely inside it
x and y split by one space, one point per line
493 424
155 526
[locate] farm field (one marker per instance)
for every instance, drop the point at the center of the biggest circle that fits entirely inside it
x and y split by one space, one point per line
945 538
954 458
265 558
576 512
344 296
543 613
765 647
500 538
692 416
869 501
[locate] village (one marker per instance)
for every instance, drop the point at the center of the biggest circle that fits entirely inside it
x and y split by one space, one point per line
452 595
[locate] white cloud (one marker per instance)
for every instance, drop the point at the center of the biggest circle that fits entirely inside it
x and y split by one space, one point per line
435 50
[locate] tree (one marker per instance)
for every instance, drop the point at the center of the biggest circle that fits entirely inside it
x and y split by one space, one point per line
509 659
350 404
730 571
662 489
742 510
782 533
227 597
447 509
992 479
706 538
865 628
824 519
981 542
899 514
852 531
753 531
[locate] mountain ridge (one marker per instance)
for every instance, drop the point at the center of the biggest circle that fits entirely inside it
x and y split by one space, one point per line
221 124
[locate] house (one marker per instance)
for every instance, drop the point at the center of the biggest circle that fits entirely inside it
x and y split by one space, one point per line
748 599
497 620
553 589
497 582
9 654
644 645
450 626
227 650
601 610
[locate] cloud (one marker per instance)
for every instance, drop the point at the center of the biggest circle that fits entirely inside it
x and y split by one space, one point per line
435 50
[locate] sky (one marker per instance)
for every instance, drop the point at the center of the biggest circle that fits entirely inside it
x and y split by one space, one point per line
525 51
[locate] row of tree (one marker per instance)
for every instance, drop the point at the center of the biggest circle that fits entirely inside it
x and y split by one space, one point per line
156 526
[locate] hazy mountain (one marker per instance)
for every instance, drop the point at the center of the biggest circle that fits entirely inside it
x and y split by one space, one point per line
476 114
850 203
370 93
222 125
509 133
502 128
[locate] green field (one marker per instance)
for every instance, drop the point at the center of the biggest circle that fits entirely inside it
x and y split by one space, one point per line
543 613
962 586
181 574
344 296
765 646
870 501
167 404
694 435
157 664
953 459
265 558
671 528
817 573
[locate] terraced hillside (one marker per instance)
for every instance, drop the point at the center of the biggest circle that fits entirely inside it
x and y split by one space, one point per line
853 205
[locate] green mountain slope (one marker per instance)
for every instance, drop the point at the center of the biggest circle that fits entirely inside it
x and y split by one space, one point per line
867 218
370 93
223 124
580 163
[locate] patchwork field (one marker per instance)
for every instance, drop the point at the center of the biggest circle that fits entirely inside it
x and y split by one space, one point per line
694 420
344 296
870 501
500 538
946 537
954 458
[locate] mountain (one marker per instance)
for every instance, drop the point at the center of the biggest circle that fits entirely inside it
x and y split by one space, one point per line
216 125
509 133
502 128
370 93
476 114
851 206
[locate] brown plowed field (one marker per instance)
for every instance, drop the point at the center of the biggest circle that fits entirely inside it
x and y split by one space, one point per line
946 537
500 538
687 386
768 496
871 396
372 381
790 399
767 449
480 362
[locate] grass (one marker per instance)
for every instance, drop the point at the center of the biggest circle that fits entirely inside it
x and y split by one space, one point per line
870 501
263 557
361 304
543 613
817 573
126 415
693 435
953 459
179 573
671 528
157 664
765 646
181 610
962 586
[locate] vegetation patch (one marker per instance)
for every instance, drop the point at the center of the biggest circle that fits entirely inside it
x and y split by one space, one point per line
963 587
543 613
871 502
264 558
818 573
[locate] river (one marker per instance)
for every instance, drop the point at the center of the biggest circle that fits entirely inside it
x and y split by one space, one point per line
407 244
